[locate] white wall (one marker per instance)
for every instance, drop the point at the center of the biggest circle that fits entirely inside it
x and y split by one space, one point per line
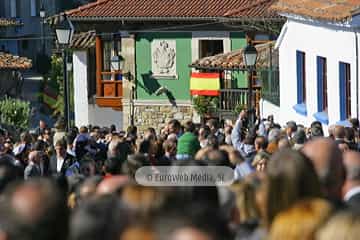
80 62
335 44
86 113
105 117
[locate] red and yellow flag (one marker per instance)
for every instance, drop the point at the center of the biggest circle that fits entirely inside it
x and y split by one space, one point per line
205 84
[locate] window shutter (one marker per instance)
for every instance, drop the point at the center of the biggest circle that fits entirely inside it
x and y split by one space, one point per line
320 82
342 88
299 73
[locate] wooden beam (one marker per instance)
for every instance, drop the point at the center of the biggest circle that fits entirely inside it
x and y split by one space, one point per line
98 54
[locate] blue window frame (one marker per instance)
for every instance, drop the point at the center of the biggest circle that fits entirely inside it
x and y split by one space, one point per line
301 81
300 107
345 90
322 84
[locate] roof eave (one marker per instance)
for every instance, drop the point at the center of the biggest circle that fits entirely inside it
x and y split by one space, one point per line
108 19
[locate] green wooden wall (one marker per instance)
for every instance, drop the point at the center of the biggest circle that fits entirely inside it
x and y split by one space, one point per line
238 40
179 88
146 86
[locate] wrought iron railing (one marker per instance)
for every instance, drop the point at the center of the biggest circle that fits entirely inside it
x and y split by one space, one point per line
231 99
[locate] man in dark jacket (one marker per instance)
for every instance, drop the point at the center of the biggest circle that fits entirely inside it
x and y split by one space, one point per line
61 161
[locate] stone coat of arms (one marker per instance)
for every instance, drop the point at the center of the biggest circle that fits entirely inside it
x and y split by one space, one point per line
164 57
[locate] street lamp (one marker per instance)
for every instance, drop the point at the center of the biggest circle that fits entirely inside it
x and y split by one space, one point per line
64 32
42 14
249 56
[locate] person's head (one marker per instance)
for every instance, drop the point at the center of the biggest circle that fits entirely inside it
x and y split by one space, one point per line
35 209
354 123
274 135
212 124
204 132
150 134
284 143
112 166
339 132
245 194
300 221
174 126
134 162
290 177
118 148
344 225
234 155
291 128
60 124
60 148
352 167
169 147
260 161
83 129
260 143
104 217
349 135
8 172
299 137
327 160
316 131
42 124
34 156
189 126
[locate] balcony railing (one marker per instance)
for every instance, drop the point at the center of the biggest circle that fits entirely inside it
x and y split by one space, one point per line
231 98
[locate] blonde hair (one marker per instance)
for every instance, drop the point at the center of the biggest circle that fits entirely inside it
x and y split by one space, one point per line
245 193
344 225
301 221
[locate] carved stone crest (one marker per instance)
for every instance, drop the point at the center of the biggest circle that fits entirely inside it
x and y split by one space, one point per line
164 58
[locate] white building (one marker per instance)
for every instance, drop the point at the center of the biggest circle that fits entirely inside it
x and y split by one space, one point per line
318 62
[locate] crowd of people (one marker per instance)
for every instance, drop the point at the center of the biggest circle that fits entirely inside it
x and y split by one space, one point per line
290 182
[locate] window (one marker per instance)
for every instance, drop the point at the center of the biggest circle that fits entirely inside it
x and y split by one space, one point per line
345 90
109 89
210 47
301 81
300 106
13 12
33 11
111 48
322 84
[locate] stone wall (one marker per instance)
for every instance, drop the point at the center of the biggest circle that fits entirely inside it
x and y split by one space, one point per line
157 116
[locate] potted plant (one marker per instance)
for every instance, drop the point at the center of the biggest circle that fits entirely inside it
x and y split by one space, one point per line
205 106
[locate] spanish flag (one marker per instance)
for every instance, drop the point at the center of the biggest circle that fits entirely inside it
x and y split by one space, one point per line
205 84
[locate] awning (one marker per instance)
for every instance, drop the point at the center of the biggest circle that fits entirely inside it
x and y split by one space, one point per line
205 84
267 57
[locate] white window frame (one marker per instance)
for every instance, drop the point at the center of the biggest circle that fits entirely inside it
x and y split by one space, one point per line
208 35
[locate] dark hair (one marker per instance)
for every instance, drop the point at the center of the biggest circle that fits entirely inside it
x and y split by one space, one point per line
112 165
99 218
49 220
189 126
261 142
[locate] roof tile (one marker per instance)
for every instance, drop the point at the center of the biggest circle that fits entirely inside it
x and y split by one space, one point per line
173 9
331 10
9 61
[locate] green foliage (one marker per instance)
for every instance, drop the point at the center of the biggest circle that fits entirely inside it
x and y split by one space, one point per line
55 80
15 112
205 104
